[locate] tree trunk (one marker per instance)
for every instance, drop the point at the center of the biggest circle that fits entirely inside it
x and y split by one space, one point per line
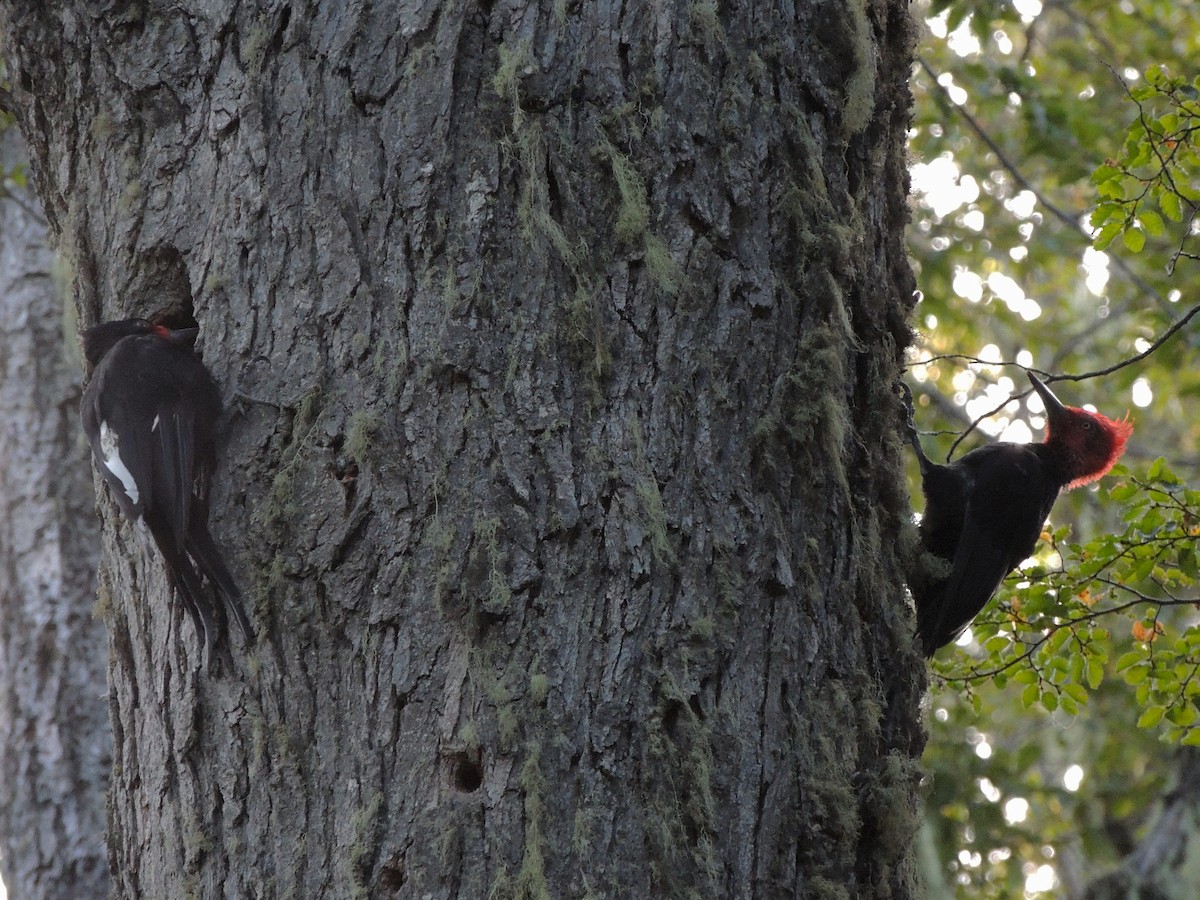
54 734
565 482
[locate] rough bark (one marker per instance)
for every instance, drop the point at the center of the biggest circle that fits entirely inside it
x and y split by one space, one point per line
567 487
54 734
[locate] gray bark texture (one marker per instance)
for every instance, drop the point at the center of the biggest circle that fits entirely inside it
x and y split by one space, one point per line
54 734
565 481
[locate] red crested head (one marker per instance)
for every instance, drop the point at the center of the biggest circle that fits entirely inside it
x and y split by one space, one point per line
1091 443
1087 444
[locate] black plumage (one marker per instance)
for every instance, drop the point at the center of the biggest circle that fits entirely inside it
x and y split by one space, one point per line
985 511
151 412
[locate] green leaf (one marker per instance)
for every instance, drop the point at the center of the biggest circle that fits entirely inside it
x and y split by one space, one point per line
1171 206
1134 240
1152 223
1155 472
995 645
1030 695
1150 717
1103 212
1122 492
1076 692
1128 659
1137 674
1183 716
1108 234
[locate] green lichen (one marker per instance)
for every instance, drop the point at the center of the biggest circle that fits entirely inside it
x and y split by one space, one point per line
309 407
705 20
449 844
363 822
702 629
655 520
130 198
102 126
807 422
197 842
360 434
259 743
664 271
581 833
587 329
859 106
633 221
391 362
633 217
534 151
439 538
531 878
506 80
681 808
487 542
254 45
539 687
468 736
654 513
495 682
889 798
102 609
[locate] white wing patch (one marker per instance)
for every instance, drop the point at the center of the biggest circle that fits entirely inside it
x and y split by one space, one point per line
112 461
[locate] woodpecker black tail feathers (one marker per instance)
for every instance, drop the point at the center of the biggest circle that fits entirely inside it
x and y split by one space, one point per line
150 413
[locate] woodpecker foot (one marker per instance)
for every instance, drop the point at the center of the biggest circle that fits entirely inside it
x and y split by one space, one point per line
241 399
910 424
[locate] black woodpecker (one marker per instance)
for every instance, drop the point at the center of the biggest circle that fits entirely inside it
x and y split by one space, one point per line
150 413
985 511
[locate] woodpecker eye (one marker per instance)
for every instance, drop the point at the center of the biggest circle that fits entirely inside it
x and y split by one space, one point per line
1087 424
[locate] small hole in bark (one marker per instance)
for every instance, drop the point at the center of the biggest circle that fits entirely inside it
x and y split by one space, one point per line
393 875
772 587
466 774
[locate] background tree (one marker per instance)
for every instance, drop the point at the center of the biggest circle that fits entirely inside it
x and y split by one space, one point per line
53 717
1017 106
564 475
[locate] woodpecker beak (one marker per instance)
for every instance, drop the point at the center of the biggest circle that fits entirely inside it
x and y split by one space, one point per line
1054 406
185 336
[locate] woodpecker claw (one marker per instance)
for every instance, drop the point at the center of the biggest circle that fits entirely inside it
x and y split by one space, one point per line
910 423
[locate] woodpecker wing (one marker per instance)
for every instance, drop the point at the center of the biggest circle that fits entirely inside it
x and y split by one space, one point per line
1009 494
118 424
174 458
140 412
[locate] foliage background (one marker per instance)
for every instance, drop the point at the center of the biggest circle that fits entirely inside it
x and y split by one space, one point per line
1054 184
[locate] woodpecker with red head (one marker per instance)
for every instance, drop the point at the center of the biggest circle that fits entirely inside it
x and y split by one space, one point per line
985 511
150 413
